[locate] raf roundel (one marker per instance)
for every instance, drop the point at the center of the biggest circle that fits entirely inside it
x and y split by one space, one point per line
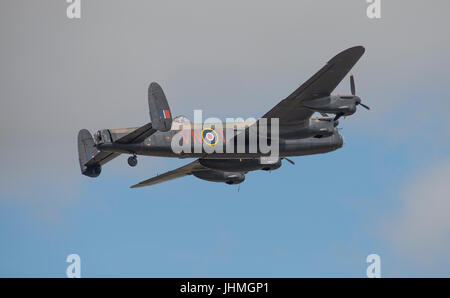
209 136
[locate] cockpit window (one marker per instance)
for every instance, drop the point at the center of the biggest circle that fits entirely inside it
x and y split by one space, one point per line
179 122
181 119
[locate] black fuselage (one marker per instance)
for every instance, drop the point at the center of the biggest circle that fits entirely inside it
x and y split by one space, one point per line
160 144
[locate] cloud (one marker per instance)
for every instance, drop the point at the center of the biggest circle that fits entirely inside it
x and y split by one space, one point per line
420 229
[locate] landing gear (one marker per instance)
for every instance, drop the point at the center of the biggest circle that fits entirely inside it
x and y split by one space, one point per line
132 161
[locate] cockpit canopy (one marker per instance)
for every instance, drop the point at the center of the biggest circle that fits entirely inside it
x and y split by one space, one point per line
179 121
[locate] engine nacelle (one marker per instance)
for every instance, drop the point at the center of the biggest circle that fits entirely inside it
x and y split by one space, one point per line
272 166
219 176
240 165
317 127
343 105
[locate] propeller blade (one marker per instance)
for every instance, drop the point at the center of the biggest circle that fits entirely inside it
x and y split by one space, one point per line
365 106
337 117
352 84
290 161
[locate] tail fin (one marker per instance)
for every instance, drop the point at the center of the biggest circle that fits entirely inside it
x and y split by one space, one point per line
86 152
159 108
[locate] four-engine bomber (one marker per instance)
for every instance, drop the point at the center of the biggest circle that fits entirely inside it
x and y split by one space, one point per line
227 157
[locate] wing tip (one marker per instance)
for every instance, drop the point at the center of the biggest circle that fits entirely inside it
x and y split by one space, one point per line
356 49
351 55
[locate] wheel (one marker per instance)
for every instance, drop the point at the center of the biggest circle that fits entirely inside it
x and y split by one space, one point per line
132 161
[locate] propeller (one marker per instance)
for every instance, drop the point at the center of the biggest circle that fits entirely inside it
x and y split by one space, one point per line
353 90
289 160
368 108
352 84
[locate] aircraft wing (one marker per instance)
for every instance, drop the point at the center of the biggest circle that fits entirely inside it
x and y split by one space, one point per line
177 173
290 109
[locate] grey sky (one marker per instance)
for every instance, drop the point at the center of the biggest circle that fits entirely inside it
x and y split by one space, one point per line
56 70
229 58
